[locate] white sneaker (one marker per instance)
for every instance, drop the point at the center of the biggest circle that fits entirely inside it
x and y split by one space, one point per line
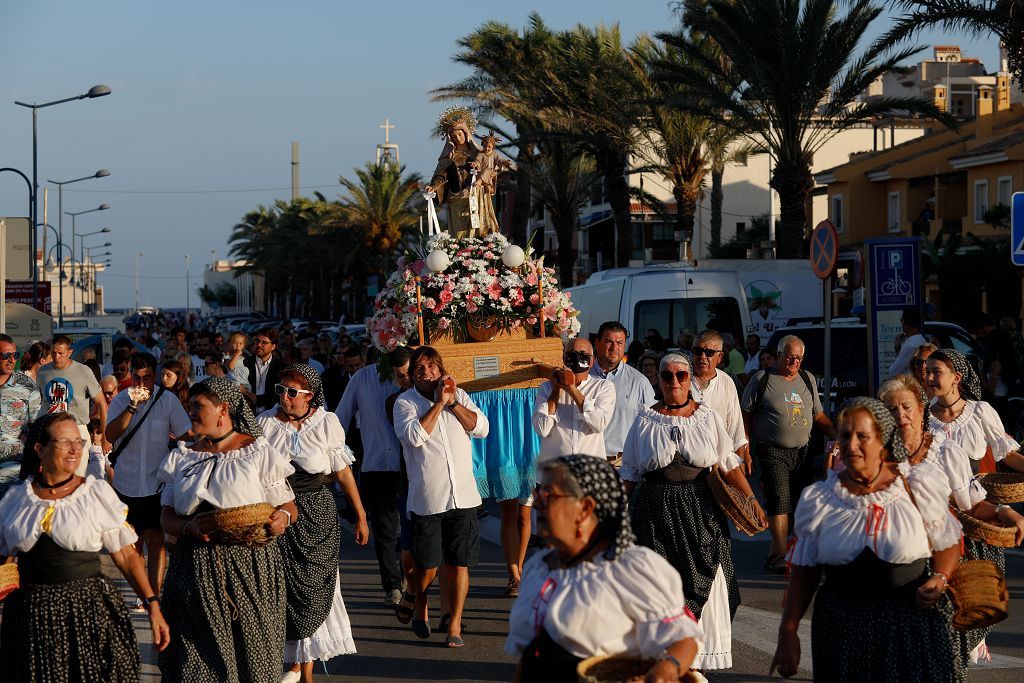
138 607
291 677
393 597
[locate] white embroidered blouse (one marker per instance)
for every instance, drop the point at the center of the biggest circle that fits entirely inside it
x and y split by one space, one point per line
90 519
833 526
252 474
653 440
318 448
949 459
633 604
977 428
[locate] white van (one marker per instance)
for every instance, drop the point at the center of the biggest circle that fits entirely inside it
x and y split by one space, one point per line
669 298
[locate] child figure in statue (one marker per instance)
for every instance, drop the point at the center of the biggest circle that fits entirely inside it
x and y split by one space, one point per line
489 165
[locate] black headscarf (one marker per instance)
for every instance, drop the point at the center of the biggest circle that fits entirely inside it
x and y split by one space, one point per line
600 481
242 418
315 385
970 383
891 438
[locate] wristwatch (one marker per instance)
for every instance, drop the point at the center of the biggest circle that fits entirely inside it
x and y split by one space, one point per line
151 599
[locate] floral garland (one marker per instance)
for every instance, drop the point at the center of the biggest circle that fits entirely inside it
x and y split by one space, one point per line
476 287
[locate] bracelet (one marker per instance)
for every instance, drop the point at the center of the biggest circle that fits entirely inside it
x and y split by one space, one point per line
667 656
132 409
1000 508
150 600
287 513
945 578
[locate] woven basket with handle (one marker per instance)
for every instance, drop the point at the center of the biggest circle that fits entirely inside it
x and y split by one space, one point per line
244 525
9 580
1003 487
980 598
617 669
993 534
736 507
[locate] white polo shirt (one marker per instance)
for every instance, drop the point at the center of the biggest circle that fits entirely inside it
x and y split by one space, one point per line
571 431
135 473
721 396
439 463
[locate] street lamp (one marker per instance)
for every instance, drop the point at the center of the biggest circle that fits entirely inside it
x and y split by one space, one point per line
102 173
75 214
94 91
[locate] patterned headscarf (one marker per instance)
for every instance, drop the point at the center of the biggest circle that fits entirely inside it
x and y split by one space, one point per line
600 481
315 385
891 438
970 384
242 418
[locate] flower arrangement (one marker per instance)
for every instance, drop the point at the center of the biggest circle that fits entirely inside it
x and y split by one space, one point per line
476 287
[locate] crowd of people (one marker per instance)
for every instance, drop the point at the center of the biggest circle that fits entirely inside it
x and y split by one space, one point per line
212 469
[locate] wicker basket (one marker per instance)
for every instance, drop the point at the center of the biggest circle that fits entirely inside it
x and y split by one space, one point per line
1003 487
245 525
9 580
993 534
735 506
980 598
617 669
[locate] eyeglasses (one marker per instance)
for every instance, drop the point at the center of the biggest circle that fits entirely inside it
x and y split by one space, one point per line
543 493
680 376
702 351
68 445
292 392
795 359
9 355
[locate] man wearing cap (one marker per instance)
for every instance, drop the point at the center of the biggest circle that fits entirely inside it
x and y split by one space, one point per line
633 391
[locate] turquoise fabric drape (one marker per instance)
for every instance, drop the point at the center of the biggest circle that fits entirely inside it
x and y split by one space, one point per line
504 462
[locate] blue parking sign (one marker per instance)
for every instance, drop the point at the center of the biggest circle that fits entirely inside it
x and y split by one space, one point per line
1017 229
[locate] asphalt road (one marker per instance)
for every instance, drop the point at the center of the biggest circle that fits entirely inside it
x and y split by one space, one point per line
388 651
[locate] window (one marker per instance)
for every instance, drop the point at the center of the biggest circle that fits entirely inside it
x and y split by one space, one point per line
671 316
894 212
980 200
740 227
835 211
1004 190
663 232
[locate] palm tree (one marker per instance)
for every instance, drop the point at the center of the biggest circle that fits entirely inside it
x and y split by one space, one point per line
980 18
792 81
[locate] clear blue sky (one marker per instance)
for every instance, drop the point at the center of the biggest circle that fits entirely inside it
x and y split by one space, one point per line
209 95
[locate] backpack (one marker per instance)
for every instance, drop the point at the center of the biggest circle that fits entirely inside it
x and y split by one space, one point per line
762 387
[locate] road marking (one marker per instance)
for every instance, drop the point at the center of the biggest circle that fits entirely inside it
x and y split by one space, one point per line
759 629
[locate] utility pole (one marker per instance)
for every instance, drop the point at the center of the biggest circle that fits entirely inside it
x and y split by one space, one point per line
188 290
137 257
295 170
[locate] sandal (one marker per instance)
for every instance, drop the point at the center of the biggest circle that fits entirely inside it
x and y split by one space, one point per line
454 641
512 590
445 622
421 628
404 608
775 564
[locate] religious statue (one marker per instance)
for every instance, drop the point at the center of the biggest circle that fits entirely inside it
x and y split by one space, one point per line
456 180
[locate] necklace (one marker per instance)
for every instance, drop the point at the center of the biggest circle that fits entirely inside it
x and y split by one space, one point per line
677 406
947 406
871 483
309 409
43 485
220 438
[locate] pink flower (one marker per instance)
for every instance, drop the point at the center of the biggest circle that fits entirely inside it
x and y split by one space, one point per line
494 290
445 296
531 279
444 323
471 307
429 302
417 266
534 299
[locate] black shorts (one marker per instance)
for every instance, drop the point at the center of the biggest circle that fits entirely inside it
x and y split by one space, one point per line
144 512
453 535
785 472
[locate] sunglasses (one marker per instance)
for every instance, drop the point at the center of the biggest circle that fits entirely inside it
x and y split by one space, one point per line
680 376
292 392
701 351
9 355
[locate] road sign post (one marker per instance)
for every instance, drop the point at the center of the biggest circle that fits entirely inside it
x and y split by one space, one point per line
1017 229
894 285
824 254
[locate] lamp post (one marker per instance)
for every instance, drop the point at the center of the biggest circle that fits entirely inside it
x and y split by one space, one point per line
137 257
187 293
102 173
75 214
94 91
31 218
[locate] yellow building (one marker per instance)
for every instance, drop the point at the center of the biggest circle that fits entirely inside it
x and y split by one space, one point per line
946 180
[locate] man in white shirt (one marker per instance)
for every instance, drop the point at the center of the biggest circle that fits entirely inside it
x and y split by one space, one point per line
718 390
435 421
139 431
379 478
573 408
633 391
911 322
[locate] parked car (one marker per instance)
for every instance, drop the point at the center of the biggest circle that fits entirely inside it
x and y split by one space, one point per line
850 352
100 344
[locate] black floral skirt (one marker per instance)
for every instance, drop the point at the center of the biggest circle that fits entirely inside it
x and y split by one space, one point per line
857 637
310 549
68 632
225 605
682 522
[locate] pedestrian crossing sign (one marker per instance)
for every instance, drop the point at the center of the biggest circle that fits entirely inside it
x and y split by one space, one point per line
1017 229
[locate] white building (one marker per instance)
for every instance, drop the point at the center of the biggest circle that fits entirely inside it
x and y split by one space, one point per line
248 287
